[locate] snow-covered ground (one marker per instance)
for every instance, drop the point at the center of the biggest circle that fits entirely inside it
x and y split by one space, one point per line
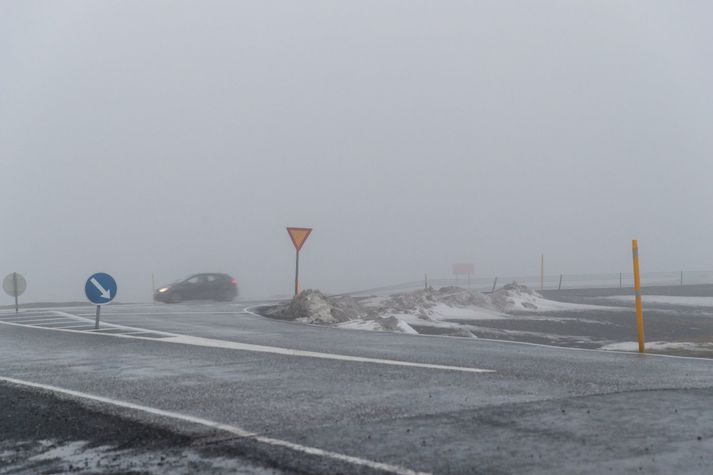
665 300
447 308
660 346
514 312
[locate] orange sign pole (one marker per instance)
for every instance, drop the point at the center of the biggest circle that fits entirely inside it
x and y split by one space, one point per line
298 236
637 293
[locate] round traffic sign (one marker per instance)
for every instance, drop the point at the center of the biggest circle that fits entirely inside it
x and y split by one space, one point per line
14 284
100 288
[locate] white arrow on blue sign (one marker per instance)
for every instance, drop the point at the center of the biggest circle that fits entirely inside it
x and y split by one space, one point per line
100 288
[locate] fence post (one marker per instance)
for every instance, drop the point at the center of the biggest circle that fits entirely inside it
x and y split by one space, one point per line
542 272
620 280
495 282
560 285
681 278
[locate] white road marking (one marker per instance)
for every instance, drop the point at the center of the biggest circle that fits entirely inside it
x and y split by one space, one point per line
209 342
233 345
42 320
159 314
235 430
28 317
75 326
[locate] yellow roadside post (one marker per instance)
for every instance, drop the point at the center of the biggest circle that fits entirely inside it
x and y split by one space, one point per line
637 293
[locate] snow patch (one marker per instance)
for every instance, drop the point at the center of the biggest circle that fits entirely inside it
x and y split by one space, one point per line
447 307
665 300
659 346
517 298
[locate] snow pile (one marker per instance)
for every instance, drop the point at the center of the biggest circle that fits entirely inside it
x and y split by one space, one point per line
312 306
517 297
451 308
422 306
633 346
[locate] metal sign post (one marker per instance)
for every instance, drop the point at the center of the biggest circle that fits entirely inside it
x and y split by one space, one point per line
100 289
14 285
298 236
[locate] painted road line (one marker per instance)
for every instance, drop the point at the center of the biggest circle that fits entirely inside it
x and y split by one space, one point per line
211 343
30 317
232 429
232 345
44 320
160 314
87 326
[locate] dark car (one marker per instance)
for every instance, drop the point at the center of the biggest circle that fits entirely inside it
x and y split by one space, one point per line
199 287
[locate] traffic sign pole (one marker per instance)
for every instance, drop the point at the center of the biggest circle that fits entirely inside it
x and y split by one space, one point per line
298 236
100 289
14 286
297 273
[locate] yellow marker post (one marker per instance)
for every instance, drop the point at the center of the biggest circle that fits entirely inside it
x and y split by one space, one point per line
637 292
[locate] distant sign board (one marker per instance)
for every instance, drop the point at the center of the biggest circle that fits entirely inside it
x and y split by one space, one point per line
463 269
100 288
14 284
299 236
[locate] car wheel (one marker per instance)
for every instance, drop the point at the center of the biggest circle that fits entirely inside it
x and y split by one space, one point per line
176 297
227 297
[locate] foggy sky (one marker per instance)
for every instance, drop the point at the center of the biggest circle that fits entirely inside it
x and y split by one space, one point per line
176 137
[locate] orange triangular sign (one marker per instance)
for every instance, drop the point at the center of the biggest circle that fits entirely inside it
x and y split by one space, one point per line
299 236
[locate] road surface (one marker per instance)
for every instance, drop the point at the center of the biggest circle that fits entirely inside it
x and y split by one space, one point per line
294 398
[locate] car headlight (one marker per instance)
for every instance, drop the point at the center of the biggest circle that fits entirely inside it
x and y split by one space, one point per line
163 290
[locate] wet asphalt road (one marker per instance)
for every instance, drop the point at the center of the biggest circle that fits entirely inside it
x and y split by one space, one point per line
540 410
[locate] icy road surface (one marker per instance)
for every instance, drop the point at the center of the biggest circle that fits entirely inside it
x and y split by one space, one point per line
346 402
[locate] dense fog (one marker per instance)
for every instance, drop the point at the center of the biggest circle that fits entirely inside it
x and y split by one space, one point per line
168 138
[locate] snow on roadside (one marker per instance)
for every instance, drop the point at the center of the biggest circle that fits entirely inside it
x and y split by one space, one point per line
659 346
665 300
515 298
451 308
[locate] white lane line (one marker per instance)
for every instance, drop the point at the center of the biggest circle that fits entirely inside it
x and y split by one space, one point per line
29 317
233 345
86 325
235 430
209 342
159 314
45 320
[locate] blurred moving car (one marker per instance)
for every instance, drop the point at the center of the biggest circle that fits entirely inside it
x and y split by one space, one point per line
199 287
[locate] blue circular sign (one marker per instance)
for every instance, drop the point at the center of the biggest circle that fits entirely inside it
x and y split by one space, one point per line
100 288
